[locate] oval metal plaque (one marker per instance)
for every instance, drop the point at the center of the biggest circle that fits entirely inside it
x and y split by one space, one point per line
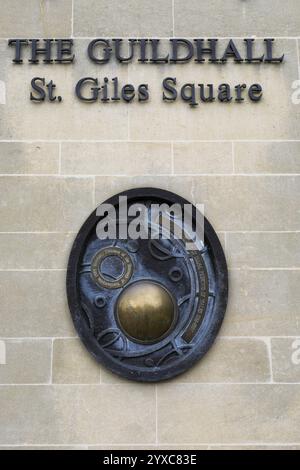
148 306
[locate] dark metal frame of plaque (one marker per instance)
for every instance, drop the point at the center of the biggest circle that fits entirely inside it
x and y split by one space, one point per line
196 280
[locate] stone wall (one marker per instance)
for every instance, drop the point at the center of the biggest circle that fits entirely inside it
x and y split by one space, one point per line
58 161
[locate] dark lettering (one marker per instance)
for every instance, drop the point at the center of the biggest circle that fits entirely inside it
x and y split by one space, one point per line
190 97
155 55
106 51
18 43
64 51
170 89
176 44
211 50
118 44
249 48
35 51
143 92
94 90
128 93
40 94
269 56
224 93
238 91
255 92
231 51
210 96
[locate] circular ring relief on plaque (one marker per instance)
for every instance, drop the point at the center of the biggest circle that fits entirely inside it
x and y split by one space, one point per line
111 267
147 307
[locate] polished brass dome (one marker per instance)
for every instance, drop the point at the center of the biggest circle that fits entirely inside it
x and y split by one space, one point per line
146 311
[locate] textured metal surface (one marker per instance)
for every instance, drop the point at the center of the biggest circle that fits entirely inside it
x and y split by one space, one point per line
146 309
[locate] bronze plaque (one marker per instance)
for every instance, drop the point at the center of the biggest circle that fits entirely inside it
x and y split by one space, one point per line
147 302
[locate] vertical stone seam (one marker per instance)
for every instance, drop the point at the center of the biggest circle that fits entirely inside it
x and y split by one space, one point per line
128 125
128 109
233 157
59 158
51 361
173 17
268 343
94 192
72 19
156 416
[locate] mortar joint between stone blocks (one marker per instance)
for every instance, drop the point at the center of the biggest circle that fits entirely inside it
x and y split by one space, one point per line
173 17
72 19
51 361
59 157
94 192
156 415
269 349
172 159
233 157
